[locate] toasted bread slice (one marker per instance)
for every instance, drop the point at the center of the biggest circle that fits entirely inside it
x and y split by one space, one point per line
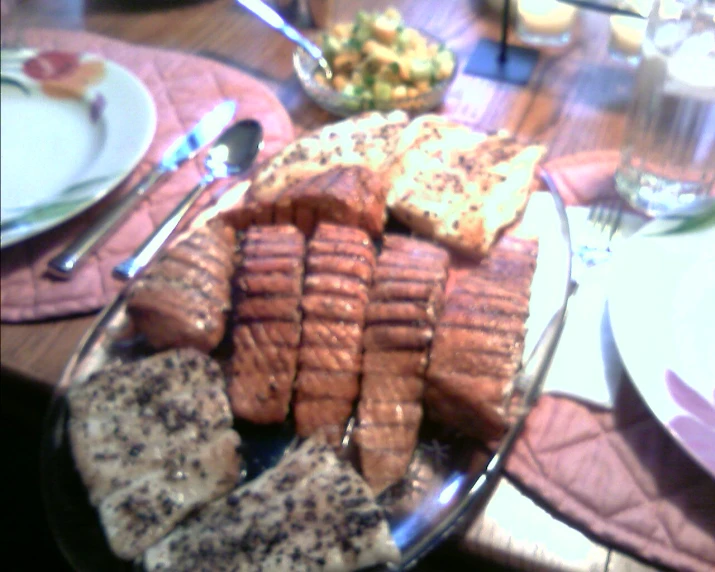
457 186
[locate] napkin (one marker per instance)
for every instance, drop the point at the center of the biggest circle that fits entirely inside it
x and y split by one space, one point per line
593 454
183 87
586 364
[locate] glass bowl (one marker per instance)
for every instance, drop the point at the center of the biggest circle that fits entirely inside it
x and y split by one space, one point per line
345 105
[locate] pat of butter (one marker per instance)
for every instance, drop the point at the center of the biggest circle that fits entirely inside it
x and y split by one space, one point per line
546 17
627 33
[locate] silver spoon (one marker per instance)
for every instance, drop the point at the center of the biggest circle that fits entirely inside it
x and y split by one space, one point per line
275 21
231 154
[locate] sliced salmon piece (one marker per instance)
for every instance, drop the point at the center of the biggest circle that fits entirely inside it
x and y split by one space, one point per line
322 333
333 308
260 334
269 284
180 302
403 312
404 301
399 388
356 267
274 265
395 362
328 416
327 384
268 249
330 355
327 284
382 337
267 323
409 274
400 290
284 308
479 340
340 248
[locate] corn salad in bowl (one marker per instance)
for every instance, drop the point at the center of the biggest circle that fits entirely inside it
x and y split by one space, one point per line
378 63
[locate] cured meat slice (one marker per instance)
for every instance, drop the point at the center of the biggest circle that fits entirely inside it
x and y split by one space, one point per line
182 299
310 512
152 440
404 301
266 334
479 339
330 356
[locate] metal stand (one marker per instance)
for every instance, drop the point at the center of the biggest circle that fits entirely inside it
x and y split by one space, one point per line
499 61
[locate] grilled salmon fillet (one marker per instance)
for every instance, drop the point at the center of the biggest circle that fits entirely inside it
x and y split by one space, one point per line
338 272
478 343
310 512
266 334
404 301
182 299
152 440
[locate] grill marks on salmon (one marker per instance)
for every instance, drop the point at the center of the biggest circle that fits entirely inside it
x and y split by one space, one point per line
479 340
404 302
152 441
338 271
310 512
269 281
182 299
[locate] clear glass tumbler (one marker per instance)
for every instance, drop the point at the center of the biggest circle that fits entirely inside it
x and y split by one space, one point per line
668 154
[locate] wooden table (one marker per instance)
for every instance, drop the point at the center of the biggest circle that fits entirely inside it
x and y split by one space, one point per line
575 101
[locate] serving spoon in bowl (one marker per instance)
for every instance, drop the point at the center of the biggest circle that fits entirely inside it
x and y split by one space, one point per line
276 21
232 153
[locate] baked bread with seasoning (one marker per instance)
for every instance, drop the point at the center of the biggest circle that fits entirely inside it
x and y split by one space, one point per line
310 512
457 186
152 440
330 175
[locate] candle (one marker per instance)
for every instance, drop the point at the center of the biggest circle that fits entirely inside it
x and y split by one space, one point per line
627 35
546 18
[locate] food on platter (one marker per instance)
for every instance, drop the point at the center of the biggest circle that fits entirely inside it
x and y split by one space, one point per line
457 187
338 331
310 512
294 187
378 58
438 177
182 299
269 283
152 440
479 340
338 272
401 316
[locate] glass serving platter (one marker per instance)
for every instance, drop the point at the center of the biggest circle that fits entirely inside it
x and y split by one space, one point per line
449 476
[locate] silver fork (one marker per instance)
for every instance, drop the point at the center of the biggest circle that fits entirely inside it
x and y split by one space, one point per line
604 218
594 245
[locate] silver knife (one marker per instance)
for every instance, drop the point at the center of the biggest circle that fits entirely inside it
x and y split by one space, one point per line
184 148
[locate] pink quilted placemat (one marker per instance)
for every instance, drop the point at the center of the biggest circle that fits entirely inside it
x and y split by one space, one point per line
184 87
616 474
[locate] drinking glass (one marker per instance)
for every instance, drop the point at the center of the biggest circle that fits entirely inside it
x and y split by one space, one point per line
668 154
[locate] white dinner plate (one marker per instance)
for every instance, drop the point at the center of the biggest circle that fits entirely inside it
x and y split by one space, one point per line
662 310
73 126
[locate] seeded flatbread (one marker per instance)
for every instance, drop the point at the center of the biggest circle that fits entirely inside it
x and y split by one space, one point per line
367 140
457 186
